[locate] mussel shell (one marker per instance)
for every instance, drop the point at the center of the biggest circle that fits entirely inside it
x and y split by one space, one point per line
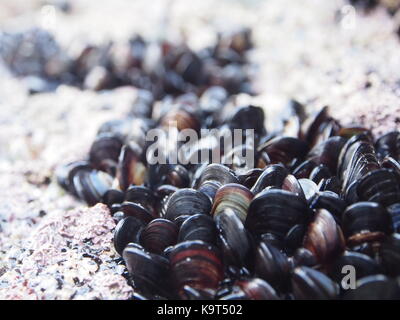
198 227
327 153
131 209
272 266
304 170
320 172
330 201
187 202
214 172
249 178
375 287
158 235
197 264
304 257
389 145
366 221
276 212
91 185
113 196
234 196
389 253
66 173
251 289
127 230
233 239
130 168
248 117
284 149
382 186
272 176
394 211
363 264
143 196
150 272
330 184
324 238
104 152
310 284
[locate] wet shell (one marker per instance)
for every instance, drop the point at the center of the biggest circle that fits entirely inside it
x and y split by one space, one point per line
127 230
198 227
233 196
130 168
158 235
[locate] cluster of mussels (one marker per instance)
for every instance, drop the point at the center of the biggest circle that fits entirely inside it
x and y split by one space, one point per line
391 5
320 197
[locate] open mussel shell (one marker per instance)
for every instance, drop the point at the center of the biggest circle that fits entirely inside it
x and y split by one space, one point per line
104 152
127 230
196 264
310 284
150 272
388 145
375 287
272 176
143 196
234 241
279 212
273 266
198 227
304 169
66 173
327 153
284 149
91 185
389 254
248 117
131 169
364 266
366 222
330 201
250 289
382 186
234 196
158 235
324 237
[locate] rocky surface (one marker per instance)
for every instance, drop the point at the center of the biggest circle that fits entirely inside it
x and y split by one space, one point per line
318 52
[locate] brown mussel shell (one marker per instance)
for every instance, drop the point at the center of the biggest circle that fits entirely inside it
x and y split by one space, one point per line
158 235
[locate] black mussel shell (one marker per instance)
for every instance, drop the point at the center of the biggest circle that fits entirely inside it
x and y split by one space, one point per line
158 235
284 149
310 284
324 238
143 196
388 145
198 227
327 153
131 209
304 257
66 173
250 289
150 272
394 211
127 230
197 264
304 169
272 176
113 196
104 152
234 196
248 117
249 178
234 241
278 212
330 184
364 266
382 186
365 222
131 169
330 201
187 202
273 266
389 253
375 287
91 185
319 173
